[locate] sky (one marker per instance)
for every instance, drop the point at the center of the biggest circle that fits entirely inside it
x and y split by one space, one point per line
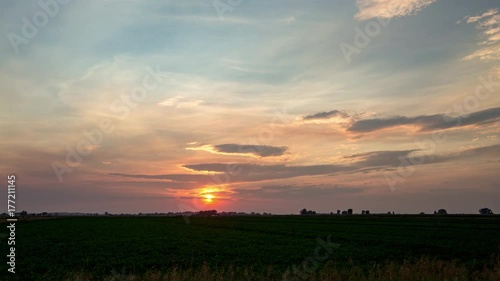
264 106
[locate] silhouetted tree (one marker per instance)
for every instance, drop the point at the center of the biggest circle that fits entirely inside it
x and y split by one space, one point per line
349 211
442 212
344 212
207 213
363 212
367 212
486 211
306 212
338 212
24 213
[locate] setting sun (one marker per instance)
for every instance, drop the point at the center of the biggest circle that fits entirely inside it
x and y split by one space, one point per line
209 198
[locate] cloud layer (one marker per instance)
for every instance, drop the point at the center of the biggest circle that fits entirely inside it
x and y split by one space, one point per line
427 122
369 161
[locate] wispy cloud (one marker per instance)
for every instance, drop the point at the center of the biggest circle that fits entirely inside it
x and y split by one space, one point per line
489 24
389 8
180 102
486 53
489 13
288 20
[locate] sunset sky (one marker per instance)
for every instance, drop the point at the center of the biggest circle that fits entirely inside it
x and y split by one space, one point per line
265 106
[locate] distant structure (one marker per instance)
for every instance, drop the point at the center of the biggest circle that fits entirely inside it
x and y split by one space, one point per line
486 211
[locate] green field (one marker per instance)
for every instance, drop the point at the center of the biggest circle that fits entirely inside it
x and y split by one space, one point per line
113 247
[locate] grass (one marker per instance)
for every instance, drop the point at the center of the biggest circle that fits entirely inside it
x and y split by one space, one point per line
423 269
258 248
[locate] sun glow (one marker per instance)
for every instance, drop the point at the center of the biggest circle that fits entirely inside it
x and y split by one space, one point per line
209 198
208 195
212 194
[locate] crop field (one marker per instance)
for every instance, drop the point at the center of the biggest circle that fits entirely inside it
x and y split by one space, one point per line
256 248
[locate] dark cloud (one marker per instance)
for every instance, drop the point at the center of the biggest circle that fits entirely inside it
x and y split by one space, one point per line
427 122
225 173
256 172
380 158
491 151
387 160
326 115
259 150
363 162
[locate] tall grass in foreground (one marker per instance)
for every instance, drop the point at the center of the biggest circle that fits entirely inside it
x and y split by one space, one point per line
424 269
